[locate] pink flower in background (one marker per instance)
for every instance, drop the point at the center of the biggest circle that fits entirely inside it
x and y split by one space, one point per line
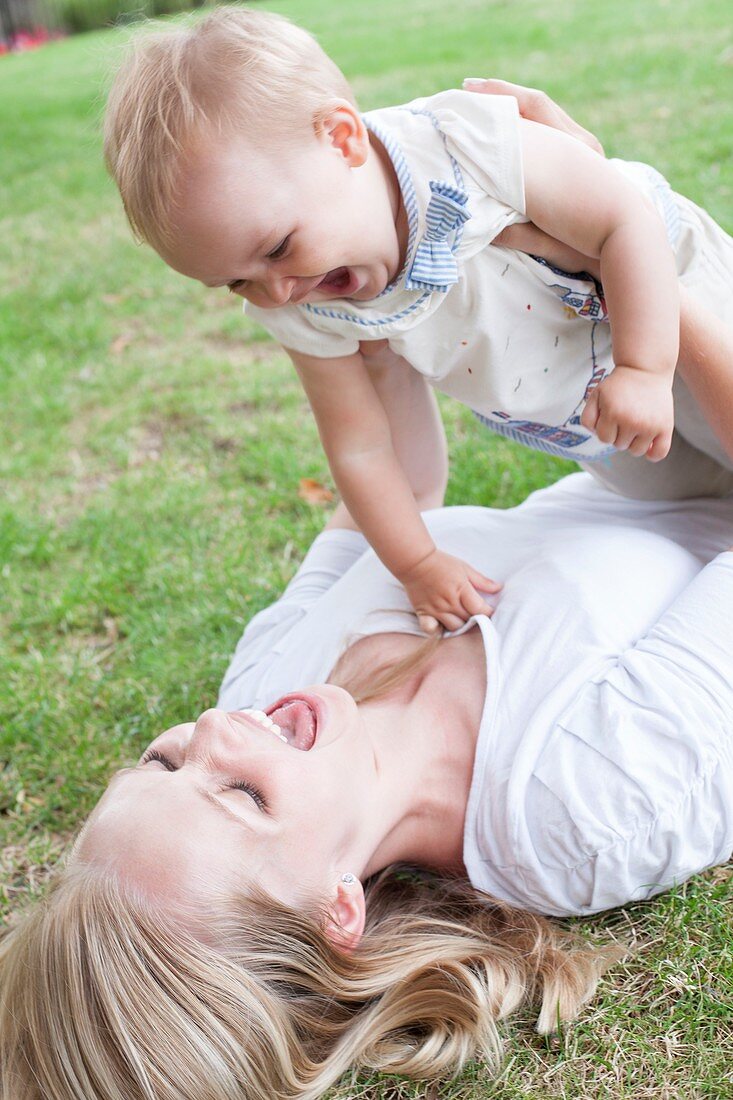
28 40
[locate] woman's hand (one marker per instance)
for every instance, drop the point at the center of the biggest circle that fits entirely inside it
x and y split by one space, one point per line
526 237
536 106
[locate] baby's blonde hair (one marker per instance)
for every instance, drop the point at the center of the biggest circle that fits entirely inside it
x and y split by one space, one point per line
236 70
103 997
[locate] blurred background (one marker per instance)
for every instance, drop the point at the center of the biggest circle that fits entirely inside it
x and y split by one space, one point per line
28 23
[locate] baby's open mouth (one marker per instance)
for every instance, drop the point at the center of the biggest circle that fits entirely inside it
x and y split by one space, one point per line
337 282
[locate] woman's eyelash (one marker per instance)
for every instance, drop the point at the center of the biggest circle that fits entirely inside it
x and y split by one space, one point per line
153 754
236 784
250 789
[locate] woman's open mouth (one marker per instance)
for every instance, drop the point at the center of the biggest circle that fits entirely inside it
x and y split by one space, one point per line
297 719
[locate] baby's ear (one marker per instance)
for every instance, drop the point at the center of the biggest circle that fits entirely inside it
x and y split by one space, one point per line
341 125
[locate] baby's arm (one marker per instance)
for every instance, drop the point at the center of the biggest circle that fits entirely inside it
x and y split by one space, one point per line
362 443
706 343
583 201
415 423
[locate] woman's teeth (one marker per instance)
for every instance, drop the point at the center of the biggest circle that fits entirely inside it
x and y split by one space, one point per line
266 722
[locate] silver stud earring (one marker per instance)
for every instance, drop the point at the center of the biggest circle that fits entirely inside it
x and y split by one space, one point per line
348 879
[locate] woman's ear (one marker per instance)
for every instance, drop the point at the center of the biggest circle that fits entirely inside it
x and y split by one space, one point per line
348 913
341 125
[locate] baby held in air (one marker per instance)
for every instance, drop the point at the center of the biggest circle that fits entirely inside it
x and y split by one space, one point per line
376 249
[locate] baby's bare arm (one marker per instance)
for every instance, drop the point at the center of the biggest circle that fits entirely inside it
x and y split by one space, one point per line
415 423
583 201
706 344
578 197
416 427
356 434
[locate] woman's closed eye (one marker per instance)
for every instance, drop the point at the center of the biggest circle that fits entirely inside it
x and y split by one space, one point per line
231 784
153 754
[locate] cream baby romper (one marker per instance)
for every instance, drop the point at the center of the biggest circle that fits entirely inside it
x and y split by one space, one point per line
516 340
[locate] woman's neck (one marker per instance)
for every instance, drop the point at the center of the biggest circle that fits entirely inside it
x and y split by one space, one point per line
424 738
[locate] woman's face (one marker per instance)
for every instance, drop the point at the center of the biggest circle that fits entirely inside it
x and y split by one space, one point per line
225 802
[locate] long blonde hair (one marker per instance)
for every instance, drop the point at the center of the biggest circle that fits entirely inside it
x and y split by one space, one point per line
236 70
103 998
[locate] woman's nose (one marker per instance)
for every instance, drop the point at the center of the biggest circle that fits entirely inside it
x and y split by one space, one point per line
212 729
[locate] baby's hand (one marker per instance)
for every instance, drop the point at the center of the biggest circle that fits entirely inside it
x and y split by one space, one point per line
632 410
443 590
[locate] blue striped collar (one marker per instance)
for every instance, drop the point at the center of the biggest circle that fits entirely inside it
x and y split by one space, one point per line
409 198
430 264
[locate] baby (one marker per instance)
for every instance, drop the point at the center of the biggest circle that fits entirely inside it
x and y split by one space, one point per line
367 245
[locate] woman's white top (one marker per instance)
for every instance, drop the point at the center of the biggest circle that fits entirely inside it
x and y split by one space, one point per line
604 764
516 340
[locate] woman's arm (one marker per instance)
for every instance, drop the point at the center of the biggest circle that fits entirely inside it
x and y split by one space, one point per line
535 105
330 557
706 365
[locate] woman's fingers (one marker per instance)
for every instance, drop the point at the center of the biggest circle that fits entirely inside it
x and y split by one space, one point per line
536 106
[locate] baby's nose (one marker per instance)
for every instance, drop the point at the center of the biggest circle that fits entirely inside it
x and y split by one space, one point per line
279 290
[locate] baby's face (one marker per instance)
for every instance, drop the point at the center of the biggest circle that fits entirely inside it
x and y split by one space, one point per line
317 219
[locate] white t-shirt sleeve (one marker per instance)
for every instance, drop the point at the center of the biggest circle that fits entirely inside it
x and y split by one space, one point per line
482 133
294 328
329 558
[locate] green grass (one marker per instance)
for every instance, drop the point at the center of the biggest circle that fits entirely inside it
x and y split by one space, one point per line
153 440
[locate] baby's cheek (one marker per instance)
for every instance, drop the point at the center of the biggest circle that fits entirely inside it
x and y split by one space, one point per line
256 296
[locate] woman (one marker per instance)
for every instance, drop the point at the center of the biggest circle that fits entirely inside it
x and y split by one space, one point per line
211 936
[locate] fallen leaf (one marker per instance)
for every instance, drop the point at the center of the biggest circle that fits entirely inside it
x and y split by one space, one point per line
313 491
120 343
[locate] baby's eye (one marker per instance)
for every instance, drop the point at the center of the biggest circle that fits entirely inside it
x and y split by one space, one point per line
236 286
278 252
